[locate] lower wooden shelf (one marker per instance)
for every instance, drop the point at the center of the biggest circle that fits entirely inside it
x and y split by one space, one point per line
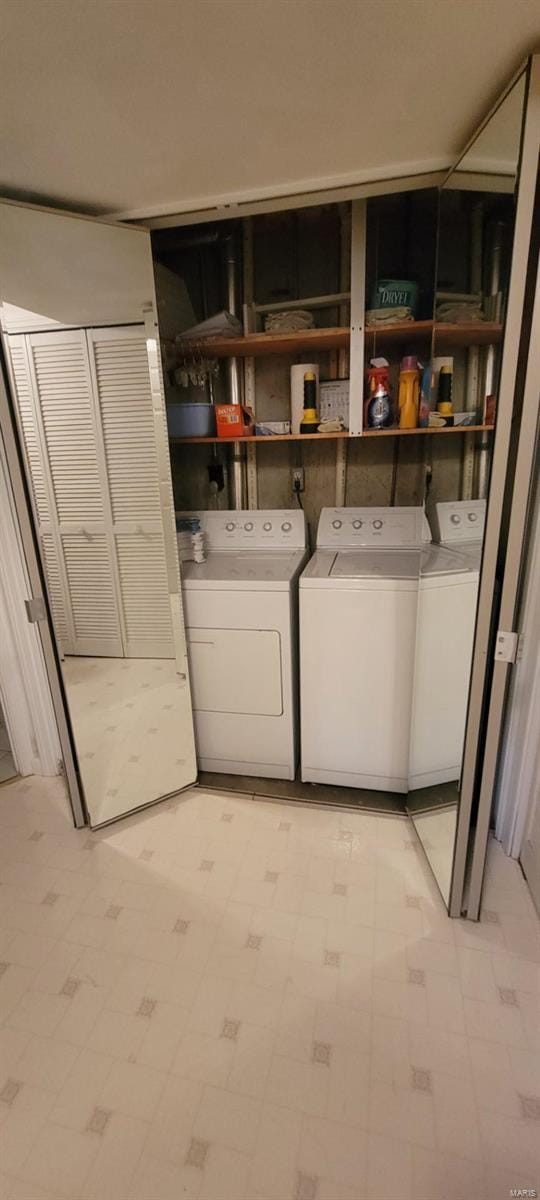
445 430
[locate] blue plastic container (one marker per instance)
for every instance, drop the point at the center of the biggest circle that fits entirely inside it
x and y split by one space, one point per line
191 420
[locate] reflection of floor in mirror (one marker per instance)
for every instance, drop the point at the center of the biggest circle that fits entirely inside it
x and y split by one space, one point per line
439 795
229 997
8 769
437 831
128 716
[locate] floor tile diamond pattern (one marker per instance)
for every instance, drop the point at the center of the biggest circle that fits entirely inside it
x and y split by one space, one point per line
311 1027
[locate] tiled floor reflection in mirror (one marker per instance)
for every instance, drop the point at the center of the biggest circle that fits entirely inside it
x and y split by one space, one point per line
230 999
8 769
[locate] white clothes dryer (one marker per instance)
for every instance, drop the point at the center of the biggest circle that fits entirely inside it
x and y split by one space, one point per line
358 606
240 609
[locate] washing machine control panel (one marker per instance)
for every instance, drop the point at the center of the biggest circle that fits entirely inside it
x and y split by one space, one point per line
264 529
460 520
370 527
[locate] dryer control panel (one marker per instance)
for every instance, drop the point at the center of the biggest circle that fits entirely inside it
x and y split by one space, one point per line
387 528
459 520
252 529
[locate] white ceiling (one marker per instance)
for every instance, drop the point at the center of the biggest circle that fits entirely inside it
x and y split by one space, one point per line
150 106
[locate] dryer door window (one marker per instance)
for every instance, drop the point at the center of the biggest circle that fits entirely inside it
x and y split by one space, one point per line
236 671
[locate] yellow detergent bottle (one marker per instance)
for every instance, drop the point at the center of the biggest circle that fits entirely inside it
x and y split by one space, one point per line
409 392
310 416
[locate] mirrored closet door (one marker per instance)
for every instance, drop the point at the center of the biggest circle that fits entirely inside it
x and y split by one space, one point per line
475 270
82 351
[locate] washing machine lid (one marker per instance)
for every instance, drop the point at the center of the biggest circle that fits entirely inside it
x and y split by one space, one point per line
470 551
244 571
376 564
436 560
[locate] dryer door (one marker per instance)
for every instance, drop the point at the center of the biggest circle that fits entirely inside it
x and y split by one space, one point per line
236 671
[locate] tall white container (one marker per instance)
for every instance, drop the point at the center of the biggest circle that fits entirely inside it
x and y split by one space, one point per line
297 392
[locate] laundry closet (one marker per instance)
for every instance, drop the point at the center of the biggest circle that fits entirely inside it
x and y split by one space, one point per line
157 384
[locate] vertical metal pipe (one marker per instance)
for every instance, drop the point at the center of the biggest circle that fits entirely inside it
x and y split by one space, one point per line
237 474
473 355
494 311
343 357
252 500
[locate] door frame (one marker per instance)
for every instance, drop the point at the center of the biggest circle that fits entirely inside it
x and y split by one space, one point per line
521 503
520 754
37 592
24 687
478 773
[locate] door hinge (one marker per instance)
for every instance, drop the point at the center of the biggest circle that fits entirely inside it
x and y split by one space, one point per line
506 646
35 609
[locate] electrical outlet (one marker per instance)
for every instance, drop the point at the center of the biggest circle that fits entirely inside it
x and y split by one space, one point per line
298 482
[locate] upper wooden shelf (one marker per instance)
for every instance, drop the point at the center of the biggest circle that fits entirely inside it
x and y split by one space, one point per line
322 437
478 333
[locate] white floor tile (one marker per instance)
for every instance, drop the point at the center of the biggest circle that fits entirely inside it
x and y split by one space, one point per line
227 1119
389 1168
60 1160
333 1150
231 999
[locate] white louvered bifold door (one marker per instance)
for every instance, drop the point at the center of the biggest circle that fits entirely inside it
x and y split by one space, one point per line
66 422
120 370
51 552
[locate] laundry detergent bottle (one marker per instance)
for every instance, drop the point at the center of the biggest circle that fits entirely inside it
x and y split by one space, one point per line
379 404
409 390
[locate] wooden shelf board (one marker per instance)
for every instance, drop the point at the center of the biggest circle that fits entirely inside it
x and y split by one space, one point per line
325 437
446 429
477 333
401 331
256 344
271 437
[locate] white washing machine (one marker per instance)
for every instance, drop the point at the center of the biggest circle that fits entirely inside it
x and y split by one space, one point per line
358 608
447 600
240 610
447 594
459 525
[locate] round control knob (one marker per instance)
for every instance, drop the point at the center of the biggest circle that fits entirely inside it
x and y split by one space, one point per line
230 526
337 524
286 526
377 524
455 519
267 525
357 524
248 525
473 516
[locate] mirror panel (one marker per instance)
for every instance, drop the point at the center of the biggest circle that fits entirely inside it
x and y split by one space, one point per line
491 161
81 343
476 218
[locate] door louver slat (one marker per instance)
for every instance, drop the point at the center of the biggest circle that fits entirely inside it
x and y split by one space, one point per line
29 429
56 591
128 427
